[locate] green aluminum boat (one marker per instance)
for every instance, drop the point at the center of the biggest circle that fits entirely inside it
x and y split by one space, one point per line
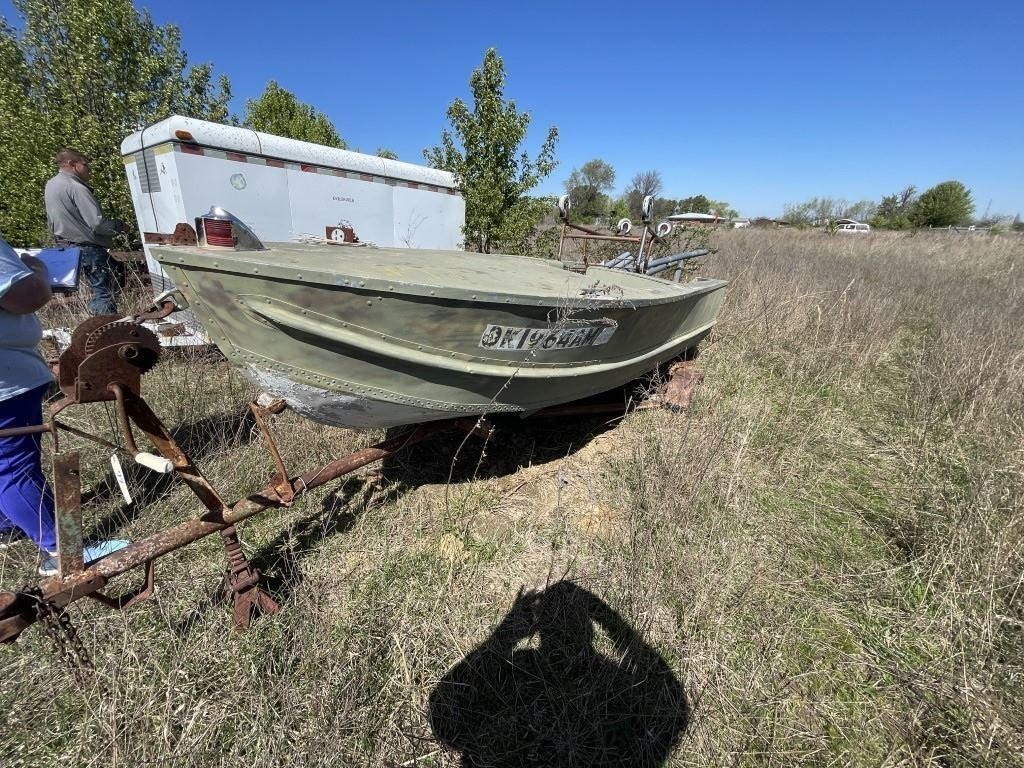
375 337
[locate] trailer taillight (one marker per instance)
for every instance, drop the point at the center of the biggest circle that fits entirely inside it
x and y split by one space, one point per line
219 233
220 229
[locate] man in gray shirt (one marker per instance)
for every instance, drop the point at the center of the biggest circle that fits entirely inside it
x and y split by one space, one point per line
75 218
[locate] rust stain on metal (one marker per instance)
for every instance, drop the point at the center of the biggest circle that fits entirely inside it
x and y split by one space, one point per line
683 380
67 498
17 431
102 352
243 583
183 234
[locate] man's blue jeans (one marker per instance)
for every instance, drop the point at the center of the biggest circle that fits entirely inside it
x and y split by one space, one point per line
26 501
104 276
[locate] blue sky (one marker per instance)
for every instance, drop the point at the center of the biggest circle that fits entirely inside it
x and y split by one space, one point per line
759 104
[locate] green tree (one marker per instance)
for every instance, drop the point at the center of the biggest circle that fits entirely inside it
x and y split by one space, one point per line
86 74
279 111
946 204
723 209
894 210
387 154
588 187
695 204
619 209
483 152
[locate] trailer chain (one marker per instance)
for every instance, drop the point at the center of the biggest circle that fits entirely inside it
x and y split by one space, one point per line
67 644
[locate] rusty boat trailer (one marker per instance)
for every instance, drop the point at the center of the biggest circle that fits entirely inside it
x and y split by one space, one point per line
104 362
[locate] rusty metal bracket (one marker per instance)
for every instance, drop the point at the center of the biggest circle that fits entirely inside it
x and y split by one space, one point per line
683 379
163 306
573 231
67 498
159 311
184 234
280 481
243 583
128 599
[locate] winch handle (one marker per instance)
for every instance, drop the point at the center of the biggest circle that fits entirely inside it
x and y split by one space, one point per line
155 463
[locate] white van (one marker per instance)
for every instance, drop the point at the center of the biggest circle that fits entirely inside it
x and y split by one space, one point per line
285 189
854 228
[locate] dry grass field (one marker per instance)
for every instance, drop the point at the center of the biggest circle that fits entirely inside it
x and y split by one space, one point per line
819 563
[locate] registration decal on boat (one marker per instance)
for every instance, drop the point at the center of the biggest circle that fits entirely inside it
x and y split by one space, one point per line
509 338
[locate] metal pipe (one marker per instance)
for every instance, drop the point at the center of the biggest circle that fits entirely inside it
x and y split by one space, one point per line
677 256
663 267
617 238
639 263
58 425
666 260
81 433
616 261
38 429
588 230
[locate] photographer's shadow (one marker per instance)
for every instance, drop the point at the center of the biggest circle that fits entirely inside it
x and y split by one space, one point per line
558 701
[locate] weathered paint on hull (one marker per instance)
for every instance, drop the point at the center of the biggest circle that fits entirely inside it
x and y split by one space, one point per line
382 337
339 408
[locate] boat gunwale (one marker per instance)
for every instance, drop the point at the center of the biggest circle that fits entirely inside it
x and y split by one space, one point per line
232 262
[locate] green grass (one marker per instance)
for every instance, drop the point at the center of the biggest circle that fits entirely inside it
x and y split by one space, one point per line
825 550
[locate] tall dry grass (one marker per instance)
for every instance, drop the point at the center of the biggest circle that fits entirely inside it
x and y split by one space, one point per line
820 563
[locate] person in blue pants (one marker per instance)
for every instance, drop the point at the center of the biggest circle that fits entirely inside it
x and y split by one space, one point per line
26 502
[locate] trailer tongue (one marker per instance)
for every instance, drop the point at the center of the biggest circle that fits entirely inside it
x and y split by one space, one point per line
105 363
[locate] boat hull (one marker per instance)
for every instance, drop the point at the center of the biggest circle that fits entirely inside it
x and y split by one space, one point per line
372 344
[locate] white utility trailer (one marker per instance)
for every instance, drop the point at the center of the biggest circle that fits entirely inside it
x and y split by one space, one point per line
284 189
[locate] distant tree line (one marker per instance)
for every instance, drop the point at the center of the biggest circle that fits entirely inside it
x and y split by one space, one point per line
86 74
590 189
946 204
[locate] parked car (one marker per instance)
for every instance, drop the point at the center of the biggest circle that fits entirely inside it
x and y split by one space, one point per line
856 228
